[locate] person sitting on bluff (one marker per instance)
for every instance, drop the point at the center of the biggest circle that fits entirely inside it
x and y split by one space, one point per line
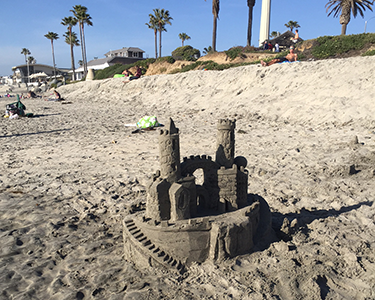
289 58
296 37
138 74
127 73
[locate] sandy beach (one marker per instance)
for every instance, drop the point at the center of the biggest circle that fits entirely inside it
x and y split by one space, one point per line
69 175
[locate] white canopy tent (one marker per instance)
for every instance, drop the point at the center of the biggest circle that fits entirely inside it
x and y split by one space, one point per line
37 75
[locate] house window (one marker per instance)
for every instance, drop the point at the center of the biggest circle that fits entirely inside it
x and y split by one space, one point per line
135 54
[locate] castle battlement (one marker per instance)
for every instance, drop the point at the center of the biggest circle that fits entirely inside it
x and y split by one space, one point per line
226 124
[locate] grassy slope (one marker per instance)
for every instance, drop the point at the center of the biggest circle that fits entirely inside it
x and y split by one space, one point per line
320 48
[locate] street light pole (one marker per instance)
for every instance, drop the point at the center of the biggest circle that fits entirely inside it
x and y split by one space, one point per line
366 23
28 72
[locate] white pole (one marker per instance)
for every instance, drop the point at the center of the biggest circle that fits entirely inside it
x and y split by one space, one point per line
366 23
28 73
265 21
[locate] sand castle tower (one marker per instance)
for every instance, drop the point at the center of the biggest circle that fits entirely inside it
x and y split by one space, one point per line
170 196
232 177
169 150
225 142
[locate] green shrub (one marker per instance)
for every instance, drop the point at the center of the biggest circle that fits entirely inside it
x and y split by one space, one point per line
187 53
369 53
119 68
168 59
110 71
329 46
239 51
234 52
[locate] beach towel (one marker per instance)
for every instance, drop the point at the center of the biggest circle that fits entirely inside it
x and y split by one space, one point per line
148 122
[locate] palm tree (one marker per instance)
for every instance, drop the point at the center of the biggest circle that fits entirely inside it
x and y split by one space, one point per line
70 22
215 12
31 60
52 36
346 8
293 24
154 26
250 4
26 52
274 34
80 63
80 13
207 50
183 36
162 18
72 40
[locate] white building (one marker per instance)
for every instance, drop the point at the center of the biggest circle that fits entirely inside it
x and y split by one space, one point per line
21 73
6 80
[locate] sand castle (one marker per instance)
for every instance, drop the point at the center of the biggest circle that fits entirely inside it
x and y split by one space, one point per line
184 222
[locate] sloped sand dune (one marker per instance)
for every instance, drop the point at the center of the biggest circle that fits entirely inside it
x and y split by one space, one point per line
307 129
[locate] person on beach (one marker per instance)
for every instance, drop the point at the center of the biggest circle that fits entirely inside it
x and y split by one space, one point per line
289 58
137 75
57 97
31 94
277 47
127 73
296 37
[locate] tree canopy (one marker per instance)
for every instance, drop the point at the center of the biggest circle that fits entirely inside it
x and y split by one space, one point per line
345 8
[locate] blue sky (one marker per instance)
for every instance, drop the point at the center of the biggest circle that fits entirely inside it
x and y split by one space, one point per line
120 23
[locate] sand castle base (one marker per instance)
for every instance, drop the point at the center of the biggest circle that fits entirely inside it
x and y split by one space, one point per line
178 244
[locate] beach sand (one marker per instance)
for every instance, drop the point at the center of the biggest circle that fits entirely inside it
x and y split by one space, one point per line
69 174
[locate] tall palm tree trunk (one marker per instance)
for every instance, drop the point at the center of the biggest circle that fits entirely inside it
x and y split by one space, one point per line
82 48
250 21
160 42
215 12
344 19
83 43
53 58
214 34
72 54
343 29
72 60
156 43
249 27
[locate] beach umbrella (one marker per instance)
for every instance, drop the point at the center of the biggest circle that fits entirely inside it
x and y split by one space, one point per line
36 75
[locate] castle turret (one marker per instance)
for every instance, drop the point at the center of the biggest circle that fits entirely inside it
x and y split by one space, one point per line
169 149
225 142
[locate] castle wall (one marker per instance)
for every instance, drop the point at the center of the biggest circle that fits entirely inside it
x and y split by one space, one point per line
158 203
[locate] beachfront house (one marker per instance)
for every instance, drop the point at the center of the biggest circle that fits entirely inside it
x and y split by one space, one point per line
124 56
26 73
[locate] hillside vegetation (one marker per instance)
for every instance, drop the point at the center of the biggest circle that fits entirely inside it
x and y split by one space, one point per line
325 47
